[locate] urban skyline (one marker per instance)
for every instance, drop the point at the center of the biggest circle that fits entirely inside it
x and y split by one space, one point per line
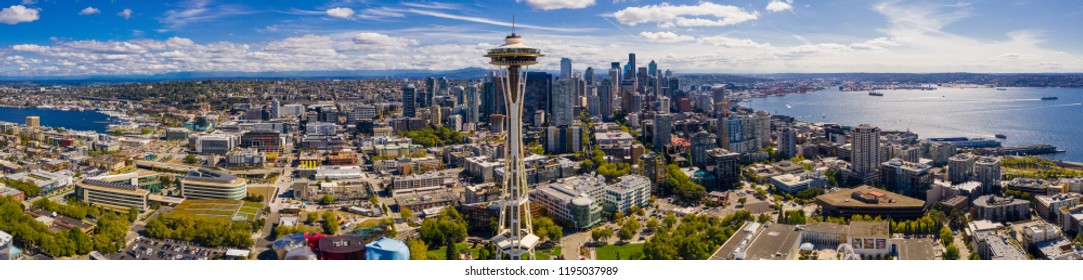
60 39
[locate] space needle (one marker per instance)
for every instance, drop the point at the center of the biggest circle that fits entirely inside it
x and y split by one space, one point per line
515 236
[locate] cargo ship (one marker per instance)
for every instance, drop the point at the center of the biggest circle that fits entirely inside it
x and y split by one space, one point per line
873 93
1050 98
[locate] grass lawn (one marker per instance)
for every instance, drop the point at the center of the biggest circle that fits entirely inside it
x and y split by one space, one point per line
223 209
547 254
439 253
609 252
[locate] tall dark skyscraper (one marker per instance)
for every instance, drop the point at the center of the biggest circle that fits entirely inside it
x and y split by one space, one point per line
431 86
652 68
539 86
409 101
565 68
588 76
631 66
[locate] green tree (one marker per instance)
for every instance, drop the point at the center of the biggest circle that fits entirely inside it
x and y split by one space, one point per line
625 234
669 220
546 229
946 237
676 182
312 217
418 249
190 159
327 199
742 201
652 224
133 213
586 166
406 214
951 253
448 225
451 251
330 223
764 218
28 187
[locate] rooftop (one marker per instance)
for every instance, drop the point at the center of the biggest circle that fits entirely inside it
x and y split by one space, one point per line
869 229
870 198
776 242
915 249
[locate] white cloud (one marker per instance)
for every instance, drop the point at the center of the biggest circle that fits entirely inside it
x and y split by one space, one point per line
665 37
29 2
126 14
18 14
344 13
381 41
702 14
727 42
558 4
492 22
780 5
196 11
874 44
379 13
89 11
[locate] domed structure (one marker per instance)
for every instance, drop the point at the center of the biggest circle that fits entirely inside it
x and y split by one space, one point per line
387 249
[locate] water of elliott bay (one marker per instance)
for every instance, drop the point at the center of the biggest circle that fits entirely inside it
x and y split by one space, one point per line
1018 113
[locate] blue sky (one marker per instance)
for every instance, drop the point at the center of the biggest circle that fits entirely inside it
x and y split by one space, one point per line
119 37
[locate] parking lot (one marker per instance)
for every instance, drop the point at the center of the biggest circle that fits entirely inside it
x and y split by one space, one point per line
151 249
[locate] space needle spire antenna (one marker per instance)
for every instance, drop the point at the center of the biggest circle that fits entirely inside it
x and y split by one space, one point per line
515 237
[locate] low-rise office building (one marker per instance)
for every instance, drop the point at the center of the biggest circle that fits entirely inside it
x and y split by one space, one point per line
632 190
992 245
418 181
419 200
338 172
1000 209
569 200
793 184
144 179
114 195
340 191
1049 205
213 144
211 184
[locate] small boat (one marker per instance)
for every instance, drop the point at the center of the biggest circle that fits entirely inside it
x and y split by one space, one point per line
1002 89
873 93
1050 98
1001 136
